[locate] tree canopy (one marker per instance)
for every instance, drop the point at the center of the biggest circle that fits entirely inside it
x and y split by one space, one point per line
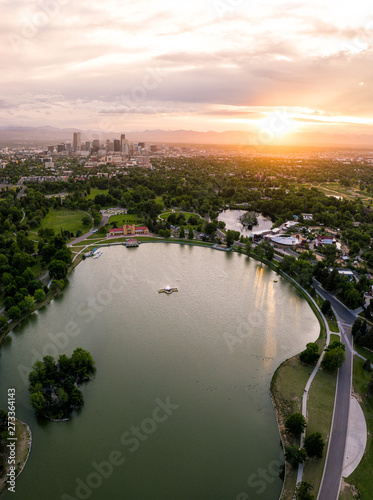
53 384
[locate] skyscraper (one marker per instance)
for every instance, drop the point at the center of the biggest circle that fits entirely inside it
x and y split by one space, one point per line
76 141
124 144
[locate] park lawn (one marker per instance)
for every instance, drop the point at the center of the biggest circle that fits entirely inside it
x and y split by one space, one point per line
96 191
58 219
187 215
159 199
332 323
364 352
124 219
320 405
362 476
345 493
287 389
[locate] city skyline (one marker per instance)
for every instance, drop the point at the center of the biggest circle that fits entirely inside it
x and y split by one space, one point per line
221 65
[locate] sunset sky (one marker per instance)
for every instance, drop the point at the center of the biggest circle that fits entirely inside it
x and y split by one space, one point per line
201 65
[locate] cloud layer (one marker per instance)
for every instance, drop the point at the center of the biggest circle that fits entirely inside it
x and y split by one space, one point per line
206 64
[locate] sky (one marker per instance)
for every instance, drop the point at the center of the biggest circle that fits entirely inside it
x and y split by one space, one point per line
273 66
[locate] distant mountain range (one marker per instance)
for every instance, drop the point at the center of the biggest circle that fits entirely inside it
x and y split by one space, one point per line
43 136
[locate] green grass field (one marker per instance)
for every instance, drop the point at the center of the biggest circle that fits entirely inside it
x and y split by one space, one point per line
64 219
362 477
187 215
287 389
125 219
320 406
95 191
364 352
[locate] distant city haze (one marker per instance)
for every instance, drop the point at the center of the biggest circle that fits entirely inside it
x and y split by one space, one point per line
267 73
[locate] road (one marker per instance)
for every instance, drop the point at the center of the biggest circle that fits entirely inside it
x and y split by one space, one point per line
331 480
105 220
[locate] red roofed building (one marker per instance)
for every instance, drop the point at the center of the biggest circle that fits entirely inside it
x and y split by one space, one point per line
126 230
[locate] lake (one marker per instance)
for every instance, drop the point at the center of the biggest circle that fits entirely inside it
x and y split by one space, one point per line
179 406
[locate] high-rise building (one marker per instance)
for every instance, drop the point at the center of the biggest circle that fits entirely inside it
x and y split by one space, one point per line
76 141
87 146
117 144
95 146
60 148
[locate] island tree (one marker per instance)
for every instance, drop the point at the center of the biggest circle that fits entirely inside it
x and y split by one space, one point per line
54 384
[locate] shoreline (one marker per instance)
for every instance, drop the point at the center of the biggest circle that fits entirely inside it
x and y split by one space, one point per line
263 260
24 442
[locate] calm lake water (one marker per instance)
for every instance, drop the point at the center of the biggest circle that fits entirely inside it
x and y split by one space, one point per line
179 407
230 217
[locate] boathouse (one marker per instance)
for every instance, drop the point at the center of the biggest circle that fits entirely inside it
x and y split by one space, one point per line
128 230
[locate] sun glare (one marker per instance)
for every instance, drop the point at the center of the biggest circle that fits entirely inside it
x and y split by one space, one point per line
278 124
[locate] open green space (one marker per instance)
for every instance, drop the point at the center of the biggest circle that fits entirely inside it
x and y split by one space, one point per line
287 388
96 191
364 352
61 219
124 219
320 405
362 476
159 199
187 215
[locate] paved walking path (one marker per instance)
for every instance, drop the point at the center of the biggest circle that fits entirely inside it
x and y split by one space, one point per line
356 438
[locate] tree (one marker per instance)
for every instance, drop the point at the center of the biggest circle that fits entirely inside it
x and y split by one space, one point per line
249 247
14 312
82 362
190 233
295 455
58 269
230 238
210 228
269 250
26 303
314 445
352 299
39 295
86 220
38 402
3 323
333 358
326 307
295 424
182 232
302 491
311 354
356 326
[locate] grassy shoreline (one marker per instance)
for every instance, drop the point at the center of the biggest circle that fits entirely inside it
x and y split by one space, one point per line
23 450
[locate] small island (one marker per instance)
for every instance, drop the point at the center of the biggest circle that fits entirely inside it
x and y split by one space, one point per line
248 219
54 384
